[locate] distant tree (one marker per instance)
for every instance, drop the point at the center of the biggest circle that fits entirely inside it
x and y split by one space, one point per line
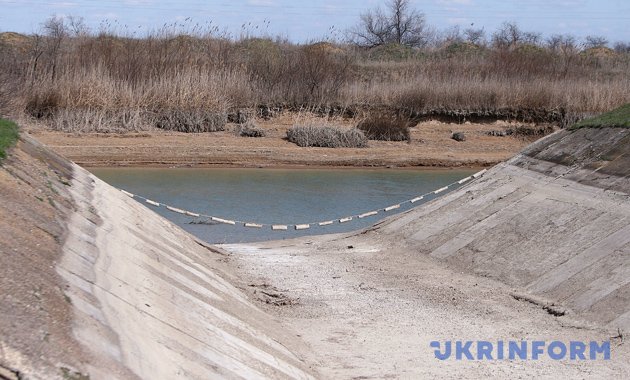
532 38
77 27
399 23
622 47
475 36
56 31
595 41
453 34
508 35
561 43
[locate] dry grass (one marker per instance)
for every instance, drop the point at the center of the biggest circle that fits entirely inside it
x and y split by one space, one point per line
250 129
326 137
385 128
190 82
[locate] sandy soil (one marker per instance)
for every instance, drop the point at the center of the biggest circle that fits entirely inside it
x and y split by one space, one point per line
431 145
371 311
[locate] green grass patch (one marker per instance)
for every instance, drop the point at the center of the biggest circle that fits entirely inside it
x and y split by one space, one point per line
617 118
8 136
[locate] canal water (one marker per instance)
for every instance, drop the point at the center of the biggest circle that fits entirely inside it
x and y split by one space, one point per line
276 196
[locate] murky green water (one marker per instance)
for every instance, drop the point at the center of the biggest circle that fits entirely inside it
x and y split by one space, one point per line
276 196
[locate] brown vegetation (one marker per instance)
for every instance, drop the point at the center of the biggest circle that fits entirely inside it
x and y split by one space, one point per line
326 137
250 129
385 128
191 80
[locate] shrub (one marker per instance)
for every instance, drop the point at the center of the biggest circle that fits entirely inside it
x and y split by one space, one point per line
42 105
100 120
191 120
250 130
528 131
326 137
385 128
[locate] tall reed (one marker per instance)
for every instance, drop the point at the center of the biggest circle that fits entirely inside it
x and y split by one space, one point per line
190 80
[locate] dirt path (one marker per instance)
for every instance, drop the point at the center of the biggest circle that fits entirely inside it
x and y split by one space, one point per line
431 145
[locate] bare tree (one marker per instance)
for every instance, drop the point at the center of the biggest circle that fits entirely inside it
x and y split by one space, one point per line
622 47
507 36
595 41
77 26
561 43
475 36
532 38
398 23
56 32
453 35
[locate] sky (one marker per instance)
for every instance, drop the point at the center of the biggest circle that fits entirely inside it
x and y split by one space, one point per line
301 21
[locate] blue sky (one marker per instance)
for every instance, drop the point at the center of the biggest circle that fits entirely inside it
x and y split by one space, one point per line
304 21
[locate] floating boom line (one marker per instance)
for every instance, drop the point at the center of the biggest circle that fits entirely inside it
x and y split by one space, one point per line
303 226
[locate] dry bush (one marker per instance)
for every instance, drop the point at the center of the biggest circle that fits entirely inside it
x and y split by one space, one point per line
249 129
42 104
186 80
385 128
190 121
326 137
530 131
99 120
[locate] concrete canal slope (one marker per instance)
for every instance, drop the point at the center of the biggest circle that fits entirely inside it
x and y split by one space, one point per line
95 285
537 249
112 290
554 221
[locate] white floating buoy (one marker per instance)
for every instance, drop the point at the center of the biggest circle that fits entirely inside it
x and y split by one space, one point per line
417 199
253 225
302 226
279 227
343 220
440 190
326 223
127 193
368 214
479 174
394 207
464 180
175 209
189 213
153 203
224 221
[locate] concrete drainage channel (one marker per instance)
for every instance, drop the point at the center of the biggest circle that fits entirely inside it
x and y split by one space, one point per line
533 250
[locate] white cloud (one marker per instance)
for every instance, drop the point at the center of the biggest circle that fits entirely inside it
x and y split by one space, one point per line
64 4
138 2
458 21
266 3
107 16
455 2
